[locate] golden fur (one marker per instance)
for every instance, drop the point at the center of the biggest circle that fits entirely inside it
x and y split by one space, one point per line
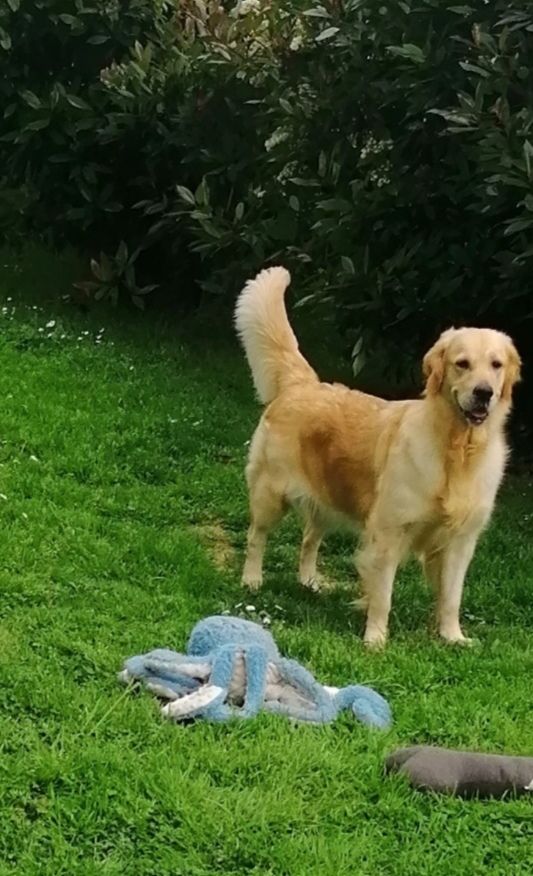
416 476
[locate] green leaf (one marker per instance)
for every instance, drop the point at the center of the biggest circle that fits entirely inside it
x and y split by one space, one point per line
85 192
71 20
201 195
76 101
121 256
106 268
516 225
298 181
98 39
129 276
326 34
335 205
85 124
358 356
528 154
5 39
239 211
453 116
409 52
86 285
37 125
31 99
112 207
138 301
525 254
347 265
473 68
210 229
95 268
14 5
294 203
317 12
186 195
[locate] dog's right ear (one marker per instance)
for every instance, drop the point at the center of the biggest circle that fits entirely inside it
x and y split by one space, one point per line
512 370
434 361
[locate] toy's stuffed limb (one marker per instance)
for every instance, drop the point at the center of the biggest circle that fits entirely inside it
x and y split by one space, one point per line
166 673
238 675
256 669
295 693
197 669
464 773
245 671
196 704
208 701
367 705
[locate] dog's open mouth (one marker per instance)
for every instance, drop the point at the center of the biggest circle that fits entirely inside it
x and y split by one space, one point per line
475 416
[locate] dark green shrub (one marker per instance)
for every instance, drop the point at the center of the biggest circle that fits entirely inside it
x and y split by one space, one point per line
78 152
381 152
396 173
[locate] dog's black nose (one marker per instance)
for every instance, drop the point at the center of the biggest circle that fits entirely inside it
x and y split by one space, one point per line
483 393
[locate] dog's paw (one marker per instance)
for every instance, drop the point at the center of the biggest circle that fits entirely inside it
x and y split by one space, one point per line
360 604
316 583
460 640
251 583
375 641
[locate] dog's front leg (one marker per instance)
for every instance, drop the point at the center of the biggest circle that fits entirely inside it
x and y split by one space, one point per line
454 565
377 563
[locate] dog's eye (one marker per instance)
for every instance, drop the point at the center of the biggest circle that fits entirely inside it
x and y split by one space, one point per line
463 364
496 364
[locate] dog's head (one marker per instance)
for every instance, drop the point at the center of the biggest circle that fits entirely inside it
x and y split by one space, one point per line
475 369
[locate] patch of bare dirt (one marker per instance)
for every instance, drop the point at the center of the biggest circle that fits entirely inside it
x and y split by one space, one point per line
217 544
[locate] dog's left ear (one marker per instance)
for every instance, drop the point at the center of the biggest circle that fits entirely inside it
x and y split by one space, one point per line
433 363
513 368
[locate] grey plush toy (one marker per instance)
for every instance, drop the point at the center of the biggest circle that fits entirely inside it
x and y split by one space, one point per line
464 773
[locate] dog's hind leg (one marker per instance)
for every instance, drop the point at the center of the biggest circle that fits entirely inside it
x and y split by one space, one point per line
314 531
432 568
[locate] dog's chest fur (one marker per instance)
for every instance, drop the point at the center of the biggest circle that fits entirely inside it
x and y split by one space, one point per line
448 484
473 469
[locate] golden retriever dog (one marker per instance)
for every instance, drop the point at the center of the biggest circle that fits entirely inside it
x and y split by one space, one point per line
416 476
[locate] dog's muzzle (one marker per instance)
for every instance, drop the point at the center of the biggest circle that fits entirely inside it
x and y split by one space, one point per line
477 410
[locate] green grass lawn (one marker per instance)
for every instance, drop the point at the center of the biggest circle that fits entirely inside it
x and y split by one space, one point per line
124 516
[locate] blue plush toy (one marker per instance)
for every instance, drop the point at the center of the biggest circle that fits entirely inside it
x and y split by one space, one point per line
233 669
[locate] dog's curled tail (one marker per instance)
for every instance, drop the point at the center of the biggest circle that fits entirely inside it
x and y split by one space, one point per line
267 337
